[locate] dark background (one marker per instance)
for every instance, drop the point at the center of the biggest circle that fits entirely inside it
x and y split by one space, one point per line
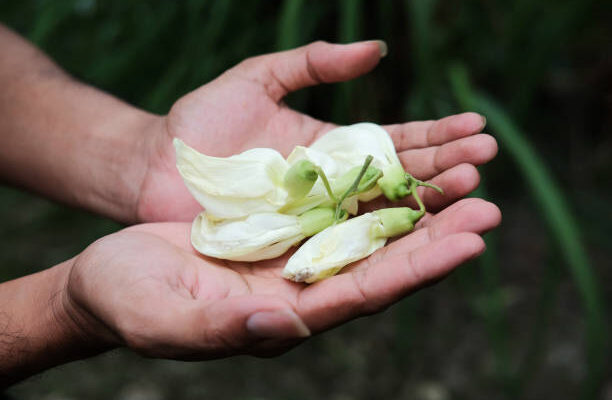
527 320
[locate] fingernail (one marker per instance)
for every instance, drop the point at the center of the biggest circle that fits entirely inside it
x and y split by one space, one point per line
484 120
382 47
277 324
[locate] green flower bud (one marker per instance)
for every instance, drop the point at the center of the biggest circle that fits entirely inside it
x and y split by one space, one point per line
397 221
394 184
300 178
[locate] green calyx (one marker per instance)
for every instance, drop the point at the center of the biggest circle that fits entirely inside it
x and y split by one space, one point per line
315 220
400 220
300 179
397 221
394 184
397 183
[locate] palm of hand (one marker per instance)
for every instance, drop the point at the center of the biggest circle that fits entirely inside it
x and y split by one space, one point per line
243 109
228 116
234 113
159 297
168 301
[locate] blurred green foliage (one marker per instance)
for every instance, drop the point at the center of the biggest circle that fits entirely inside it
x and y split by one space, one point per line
514 324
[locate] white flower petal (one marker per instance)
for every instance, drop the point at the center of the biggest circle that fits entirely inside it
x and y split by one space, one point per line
350 145
272 251
328 251
321 159
231 208
235 186
256 237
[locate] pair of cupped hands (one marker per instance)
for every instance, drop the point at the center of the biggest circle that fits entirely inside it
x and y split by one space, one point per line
145 287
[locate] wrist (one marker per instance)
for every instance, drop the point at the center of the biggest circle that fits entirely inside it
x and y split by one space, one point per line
162 195
39 328
77 333
65 139
123 160
81 329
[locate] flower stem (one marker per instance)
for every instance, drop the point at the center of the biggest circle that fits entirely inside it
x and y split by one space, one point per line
417 198
414 183
330 193
425 184
353 187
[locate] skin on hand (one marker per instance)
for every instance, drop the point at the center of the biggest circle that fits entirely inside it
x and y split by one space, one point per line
146 288
116 160
243 109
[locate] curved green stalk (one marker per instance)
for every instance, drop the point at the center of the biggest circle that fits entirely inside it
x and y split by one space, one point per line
353 188
289 32
328 188
558 216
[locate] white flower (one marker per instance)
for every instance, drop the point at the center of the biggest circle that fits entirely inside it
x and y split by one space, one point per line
318 194
236 186
328 251
332 168
340 176
349 145
324 254
258 236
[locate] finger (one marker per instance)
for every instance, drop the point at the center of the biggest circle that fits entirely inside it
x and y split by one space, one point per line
196 330
478 205
404 272
456 182
468 215
313 64
421 134
349 295
431 161
474 216
242 320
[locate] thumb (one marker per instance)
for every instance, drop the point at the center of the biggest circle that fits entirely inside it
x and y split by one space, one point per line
234 324
319 62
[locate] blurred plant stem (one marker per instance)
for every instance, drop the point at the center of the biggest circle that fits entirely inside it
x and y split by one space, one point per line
538 346
349 31
290 35
419 13
557 214
289 32
494 308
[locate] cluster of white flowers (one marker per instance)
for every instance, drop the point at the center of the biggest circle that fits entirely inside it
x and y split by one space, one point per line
258 204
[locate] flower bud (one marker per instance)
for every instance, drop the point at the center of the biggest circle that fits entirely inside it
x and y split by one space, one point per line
327 252
349 145
300 178
256 237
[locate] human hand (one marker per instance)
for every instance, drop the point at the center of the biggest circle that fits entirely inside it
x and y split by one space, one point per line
243 108
145 287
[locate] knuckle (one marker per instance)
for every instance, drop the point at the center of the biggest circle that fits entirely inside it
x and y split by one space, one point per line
318 43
